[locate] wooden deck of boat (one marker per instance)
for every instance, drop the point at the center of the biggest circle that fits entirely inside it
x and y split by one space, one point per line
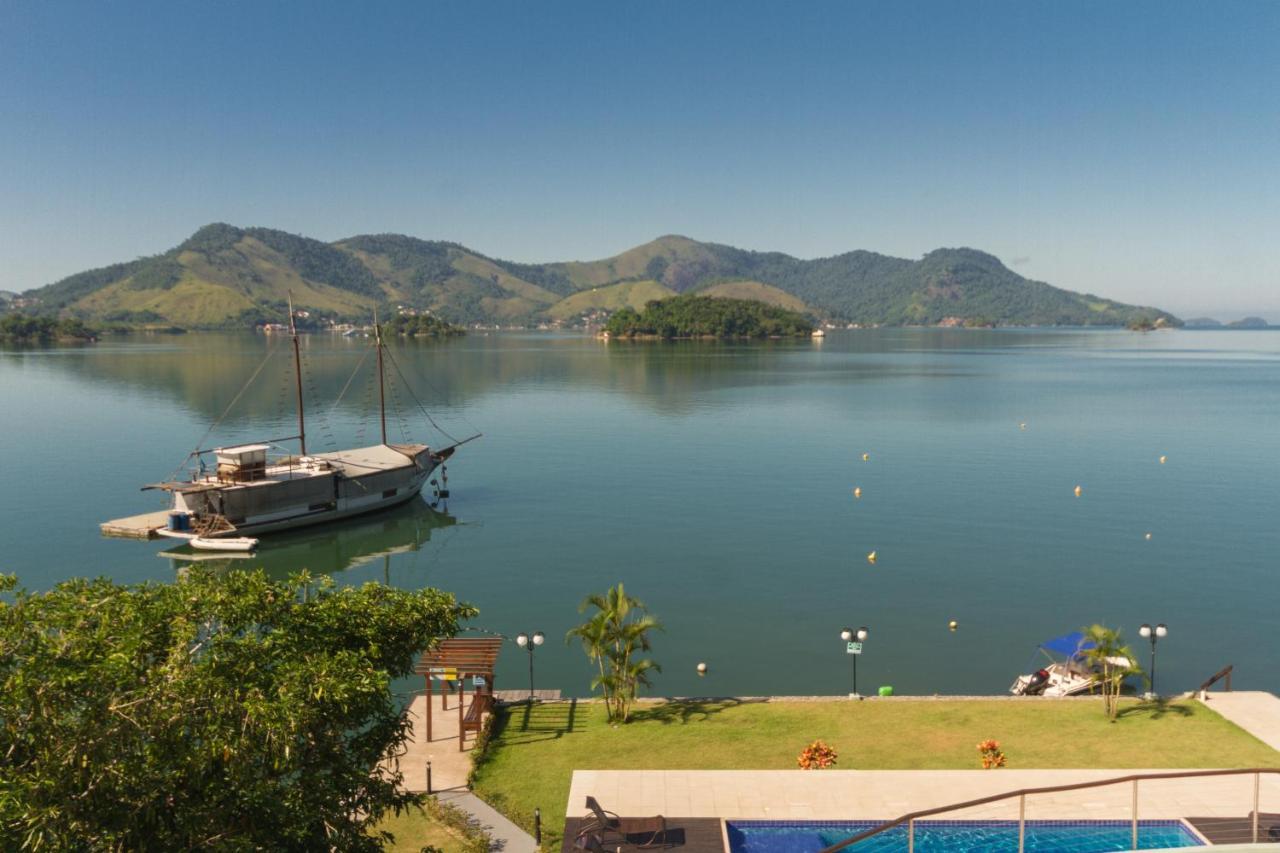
136 526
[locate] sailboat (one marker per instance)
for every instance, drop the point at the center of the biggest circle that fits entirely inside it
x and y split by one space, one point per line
247 494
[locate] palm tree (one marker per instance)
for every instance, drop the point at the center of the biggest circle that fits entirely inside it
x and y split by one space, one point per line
611 638
633 675
1112 662
594 636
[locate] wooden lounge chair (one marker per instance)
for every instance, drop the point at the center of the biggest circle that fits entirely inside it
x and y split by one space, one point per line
600 821
590 842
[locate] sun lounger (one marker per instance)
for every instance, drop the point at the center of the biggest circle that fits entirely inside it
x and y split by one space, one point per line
599 822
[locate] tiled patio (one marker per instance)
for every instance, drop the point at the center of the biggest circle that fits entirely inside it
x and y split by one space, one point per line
886 794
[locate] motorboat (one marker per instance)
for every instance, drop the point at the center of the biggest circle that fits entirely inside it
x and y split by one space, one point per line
1068 670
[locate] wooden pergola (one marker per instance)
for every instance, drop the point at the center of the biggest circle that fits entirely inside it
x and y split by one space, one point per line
455 660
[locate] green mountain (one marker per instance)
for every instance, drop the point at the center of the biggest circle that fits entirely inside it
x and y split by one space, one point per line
228 276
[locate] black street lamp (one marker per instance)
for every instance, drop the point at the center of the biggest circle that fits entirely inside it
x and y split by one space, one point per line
528 643
1154 634
853 646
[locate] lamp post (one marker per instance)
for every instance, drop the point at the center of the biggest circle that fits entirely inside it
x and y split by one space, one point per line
853 647
1154 634
529 643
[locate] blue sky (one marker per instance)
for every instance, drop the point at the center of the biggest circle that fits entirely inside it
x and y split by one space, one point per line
1127 149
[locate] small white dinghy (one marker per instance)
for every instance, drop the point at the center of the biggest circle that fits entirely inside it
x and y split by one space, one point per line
240 543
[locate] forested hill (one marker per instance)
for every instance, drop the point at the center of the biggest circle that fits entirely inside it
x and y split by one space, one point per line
227 276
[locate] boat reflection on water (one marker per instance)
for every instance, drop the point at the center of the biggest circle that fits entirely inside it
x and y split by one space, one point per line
335 547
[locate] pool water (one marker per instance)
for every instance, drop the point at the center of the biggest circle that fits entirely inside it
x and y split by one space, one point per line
958 836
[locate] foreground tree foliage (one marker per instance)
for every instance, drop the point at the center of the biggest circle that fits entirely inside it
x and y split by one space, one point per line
217 712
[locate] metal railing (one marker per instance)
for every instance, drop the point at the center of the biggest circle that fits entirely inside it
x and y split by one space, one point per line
910 818
1225 672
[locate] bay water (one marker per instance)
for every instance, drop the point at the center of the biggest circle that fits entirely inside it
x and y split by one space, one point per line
716 481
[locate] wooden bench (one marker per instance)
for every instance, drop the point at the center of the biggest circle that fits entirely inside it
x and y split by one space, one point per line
481 704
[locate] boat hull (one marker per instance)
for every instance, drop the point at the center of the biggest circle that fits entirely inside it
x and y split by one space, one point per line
324 516
326 488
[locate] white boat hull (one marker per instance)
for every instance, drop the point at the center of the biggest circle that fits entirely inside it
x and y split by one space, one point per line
236 543
1063 681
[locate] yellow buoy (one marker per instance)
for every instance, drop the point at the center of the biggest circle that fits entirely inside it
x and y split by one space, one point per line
1148 537
1079 491
871 558
857 491
1162 459
953 624
866 456
1022 426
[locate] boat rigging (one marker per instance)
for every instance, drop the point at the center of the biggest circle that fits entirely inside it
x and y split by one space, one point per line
247 494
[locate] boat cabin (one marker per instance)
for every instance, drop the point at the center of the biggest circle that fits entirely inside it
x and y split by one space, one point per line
242 464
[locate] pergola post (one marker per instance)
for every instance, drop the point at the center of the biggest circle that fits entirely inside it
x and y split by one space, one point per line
430 700
459 658
462 695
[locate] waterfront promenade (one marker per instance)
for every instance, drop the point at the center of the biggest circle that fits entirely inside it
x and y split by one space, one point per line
1255 711
881 795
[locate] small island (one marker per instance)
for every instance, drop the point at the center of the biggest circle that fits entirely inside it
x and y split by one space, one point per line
28 329
421 326
685 317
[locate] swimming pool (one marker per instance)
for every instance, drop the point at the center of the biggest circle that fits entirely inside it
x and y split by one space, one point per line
959 836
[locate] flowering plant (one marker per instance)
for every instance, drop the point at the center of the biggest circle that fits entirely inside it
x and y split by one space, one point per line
816 756
992 757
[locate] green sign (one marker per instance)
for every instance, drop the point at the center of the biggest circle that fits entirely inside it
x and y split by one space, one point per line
854 648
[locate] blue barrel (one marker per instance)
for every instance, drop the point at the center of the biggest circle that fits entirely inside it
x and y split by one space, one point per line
177 521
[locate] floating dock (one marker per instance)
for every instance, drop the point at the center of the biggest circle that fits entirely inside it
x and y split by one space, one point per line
136 526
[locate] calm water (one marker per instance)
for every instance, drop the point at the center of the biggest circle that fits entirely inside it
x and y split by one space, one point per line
716 481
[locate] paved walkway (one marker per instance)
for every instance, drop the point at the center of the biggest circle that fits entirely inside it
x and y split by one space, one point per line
1256 712
507 837
886 794
450 768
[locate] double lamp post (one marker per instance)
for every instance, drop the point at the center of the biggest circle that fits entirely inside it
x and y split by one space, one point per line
1153 634
853 641
529 643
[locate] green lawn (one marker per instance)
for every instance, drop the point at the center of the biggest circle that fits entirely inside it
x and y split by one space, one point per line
416 829
535 751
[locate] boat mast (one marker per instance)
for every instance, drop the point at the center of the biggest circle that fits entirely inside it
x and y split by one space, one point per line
382 401
297 372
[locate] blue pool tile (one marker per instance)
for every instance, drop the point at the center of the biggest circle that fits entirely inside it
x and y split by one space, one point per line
959 836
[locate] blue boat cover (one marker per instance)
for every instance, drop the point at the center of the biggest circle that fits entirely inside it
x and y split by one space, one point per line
1068 644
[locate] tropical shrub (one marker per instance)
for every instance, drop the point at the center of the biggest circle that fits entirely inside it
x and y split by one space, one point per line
816 756
992 757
